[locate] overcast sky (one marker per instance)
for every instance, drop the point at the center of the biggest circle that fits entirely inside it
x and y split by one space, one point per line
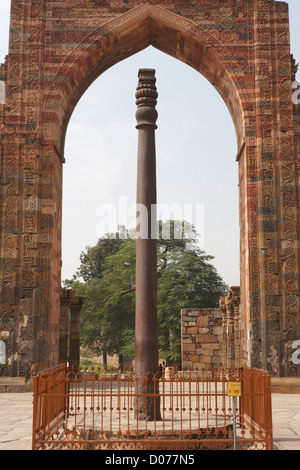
196 150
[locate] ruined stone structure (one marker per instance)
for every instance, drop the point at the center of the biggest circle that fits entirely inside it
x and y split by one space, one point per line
230 307
56 50
201 338
69 327
211 337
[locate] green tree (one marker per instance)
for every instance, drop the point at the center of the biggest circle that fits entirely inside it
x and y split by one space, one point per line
186 278
110 309
93 259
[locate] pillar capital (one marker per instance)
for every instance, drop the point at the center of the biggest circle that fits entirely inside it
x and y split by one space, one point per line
77 302
146 99
66 296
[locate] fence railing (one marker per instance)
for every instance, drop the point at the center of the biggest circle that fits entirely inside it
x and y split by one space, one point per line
98 410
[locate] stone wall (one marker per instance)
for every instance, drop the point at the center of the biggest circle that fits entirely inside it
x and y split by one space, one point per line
212 336
201 338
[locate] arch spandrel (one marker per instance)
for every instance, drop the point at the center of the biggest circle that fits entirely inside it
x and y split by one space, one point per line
132 32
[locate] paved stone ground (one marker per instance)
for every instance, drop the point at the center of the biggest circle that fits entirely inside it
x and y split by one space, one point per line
16 421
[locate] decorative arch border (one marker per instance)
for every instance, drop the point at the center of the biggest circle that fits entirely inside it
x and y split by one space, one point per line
244 122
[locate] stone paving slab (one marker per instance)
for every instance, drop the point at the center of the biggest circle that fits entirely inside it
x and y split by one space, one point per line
16 421
286 421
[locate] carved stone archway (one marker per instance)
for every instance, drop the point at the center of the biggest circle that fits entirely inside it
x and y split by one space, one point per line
57 49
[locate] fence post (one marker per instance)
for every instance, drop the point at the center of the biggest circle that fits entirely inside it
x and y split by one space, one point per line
268 414
34 414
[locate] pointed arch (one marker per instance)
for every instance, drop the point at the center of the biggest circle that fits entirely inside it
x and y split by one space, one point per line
130 33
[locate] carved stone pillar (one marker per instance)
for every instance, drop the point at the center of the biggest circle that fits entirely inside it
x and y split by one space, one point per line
146 333
231 324
237 326
66 297
230 330
222 303
74 348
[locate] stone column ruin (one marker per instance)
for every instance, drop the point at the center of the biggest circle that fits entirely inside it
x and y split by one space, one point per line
74 346
69 327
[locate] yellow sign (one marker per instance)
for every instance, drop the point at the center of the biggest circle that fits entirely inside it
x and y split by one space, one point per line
234 389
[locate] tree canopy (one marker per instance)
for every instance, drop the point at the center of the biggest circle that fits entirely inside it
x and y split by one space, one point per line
186 279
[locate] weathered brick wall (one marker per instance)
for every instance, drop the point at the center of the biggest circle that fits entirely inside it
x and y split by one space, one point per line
201 338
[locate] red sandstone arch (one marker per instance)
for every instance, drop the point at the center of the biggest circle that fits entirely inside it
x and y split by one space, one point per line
132 32
57 49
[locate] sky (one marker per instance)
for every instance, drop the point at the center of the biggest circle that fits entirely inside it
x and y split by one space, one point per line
195 145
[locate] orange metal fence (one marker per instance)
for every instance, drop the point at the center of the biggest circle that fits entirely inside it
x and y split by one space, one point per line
96 410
